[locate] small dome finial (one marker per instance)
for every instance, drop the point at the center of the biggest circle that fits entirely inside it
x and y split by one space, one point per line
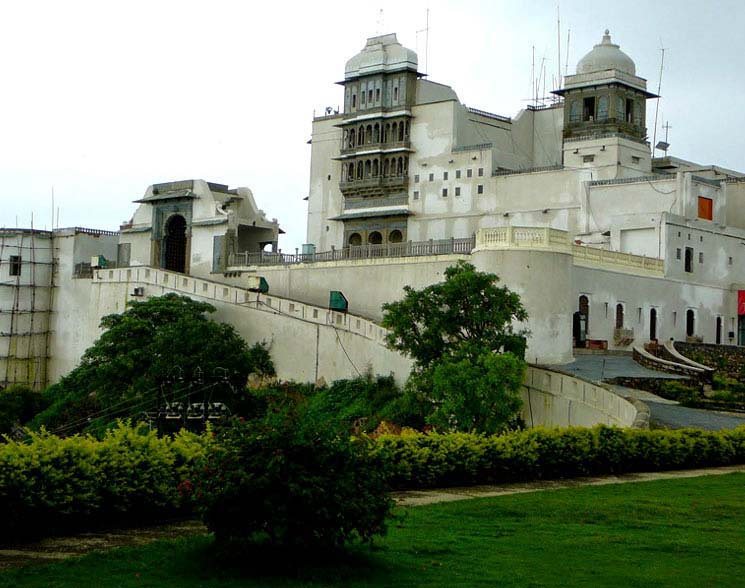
607 32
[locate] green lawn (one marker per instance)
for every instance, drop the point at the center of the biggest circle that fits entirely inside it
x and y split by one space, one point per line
688 532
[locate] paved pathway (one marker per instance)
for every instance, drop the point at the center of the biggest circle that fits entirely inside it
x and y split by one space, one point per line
421 497
663 412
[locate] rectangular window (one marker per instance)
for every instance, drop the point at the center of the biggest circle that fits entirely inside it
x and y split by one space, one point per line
416 195
444 175
457 174
689 260
705 208
444 192
701 257
481 172
588 108
416 179
678 253
480 189
729 261
635 159
588 158
469 173
15 265
431 177
457 190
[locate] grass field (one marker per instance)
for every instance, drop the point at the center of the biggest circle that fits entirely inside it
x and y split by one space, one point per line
688 532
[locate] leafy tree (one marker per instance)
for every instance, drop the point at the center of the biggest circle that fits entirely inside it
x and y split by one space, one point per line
468 357
167 339
476 394
467 312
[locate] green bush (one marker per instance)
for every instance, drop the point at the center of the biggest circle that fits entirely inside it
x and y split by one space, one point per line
418 460
18 405
287 480
50 484
674 390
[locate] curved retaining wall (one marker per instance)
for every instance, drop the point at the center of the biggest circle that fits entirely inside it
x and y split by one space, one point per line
554 399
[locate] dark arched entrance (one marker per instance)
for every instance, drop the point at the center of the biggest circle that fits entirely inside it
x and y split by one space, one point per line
175 244
690 323
653 324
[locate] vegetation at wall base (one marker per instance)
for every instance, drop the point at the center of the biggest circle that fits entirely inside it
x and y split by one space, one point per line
683 533
164 349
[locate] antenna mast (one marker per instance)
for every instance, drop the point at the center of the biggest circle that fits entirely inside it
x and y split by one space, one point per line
566 66
558 45
657 107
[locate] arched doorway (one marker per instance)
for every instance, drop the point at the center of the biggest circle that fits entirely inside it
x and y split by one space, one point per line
719 330
619 316
579 326
395 236
355 239
175 244
690 322
653 324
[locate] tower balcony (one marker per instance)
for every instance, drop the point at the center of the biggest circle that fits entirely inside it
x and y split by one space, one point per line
376 186
377 147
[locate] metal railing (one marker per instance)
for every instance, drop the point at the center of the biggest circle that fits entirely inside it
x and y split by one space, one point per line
354 252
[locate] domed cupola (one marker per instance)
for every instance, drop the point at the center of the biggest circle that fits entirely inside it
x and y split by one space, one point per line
605 96
604 56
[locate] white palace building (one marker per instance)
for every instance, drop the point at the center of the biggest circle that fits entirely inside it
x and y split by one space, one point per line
607 246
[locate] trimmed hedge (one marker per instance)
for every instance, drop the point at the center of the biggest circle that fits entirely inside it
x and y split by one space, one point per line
51 484
419 460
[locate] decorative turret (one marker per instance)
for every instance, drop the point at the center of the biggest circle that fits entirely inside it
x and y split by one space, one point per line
605 96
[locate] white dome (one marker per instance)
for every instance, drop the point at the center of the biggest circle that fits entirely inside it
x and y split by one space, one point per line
383 53
605 56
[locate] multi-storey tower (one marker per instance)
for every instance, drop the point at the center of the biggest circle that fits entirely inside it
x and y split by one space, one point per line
605 114
379 93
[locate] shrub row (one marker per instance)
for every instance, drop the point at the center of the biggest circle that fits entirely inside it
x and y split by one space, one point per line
50 484
419 460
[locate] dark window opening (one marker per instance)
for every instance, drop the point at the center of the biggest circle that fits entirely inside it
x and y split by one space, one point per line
354 100
444 192
395 236
719 330
15 265
689 260
619 316
690 322
175 249
457 190
629 110
653 324
480 189
588 108
355 239
375 238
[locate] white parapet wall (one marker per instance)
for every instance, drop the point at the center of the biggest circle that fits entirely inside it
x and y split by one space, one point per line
554 399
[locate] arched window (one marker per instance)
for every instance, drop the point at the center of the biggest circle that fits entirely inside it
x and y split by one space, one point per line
354 100
386 168
359 170
395 94
406 165
690 322
375 238
368 168
619 316
400 167
361 136
369 134
376 133
350 174
653 324
352 135
620 109
401 132
406 133
375 168
355 239
394 131
386 132
584 307
395 236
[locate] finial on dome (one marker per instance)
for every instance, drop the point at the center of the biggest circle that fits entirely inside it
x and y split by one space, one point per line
606 38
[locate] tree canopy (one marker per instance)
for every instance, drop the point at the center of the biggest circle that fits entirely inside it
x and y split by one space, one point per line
468 357
467 313
154 342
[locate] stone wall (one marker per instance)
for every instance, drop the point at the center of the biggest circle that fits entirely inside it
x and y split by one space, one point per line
728 360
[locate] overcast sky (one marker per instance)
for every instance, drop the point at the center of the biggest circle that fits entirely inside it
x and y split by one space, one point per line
101 99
